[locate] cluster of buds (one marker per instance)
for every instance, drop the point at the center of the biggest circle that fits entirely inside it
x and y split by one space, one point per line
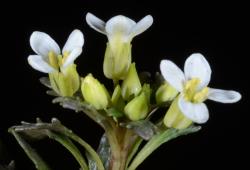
185 91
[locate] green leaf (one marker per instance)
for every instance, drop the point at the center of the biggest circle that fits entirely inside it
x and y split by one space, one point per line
133 150
67 143
31 153
91 161
55 130
156 141
143 128
90 151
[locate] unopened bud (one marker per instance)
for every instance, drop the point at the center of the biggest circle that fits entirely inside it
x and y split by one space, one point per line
131 86
94 92
137 108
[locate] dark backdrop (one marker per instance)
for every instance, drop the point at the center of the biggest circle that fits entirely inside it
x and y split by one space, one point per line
215 30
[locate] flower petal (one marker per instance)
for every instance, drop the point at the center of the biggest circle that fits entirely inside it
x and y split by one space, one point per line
38 63
224 96
120 26
142 25
95 23
72 56
42 44
196 66
75 40
172 74
197 112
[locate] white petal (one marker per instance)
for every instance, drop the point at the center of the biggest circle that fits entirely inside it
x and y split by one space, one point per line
121 26
196 66
95 23
224 96
197 112
75 40
72 56
142 25
42 44
38 63
172 74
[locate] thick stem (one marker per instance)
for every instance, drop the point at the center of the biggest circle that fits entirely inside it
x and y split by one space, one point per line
121 141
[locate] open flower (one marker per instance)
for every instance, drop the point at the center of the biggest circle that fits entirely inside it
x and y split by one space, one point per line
120 31
193 87
49 57
64 78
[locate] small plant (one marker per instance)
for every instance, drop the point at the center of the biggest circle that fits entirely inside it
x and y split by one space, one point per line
125 111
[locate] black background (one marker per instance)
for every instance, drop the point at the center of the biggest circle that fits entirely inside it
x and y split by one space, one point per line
218 31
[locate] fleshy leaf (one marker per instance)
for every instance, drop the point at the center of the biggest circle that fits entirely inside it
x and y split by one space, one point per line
143 128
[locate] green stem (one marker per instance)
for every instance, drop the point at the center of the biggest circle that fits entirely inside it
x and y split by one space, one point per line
66 142
121 142
34 157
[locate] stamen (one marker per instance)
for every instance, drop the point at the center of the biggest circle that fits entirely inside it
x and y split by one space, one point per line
65 56
53 60
190 88
201 96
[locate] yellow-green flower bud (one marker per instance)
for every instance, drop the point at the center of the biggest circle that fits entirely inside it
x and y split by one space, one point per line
174 118
137 108
116 99
66 82
165 93
131 86
117 61
94 92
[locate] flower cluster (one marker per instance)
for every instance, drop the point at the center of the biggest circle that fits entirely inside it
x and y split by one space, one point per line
132 99
125 111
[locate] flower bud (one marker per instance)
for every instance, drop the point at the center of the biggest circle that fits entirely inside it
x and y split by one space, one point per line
165 93
117 61
137 108
131 86
94 92
174 118
117 100
66 82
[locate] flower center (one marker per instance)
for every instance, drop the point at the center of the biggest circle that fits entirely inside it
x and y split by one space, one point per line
57 61
192 93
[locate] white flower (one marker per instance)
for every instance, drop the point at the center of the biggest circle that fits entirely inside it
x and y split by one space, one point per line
49 57
192 85
119 28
